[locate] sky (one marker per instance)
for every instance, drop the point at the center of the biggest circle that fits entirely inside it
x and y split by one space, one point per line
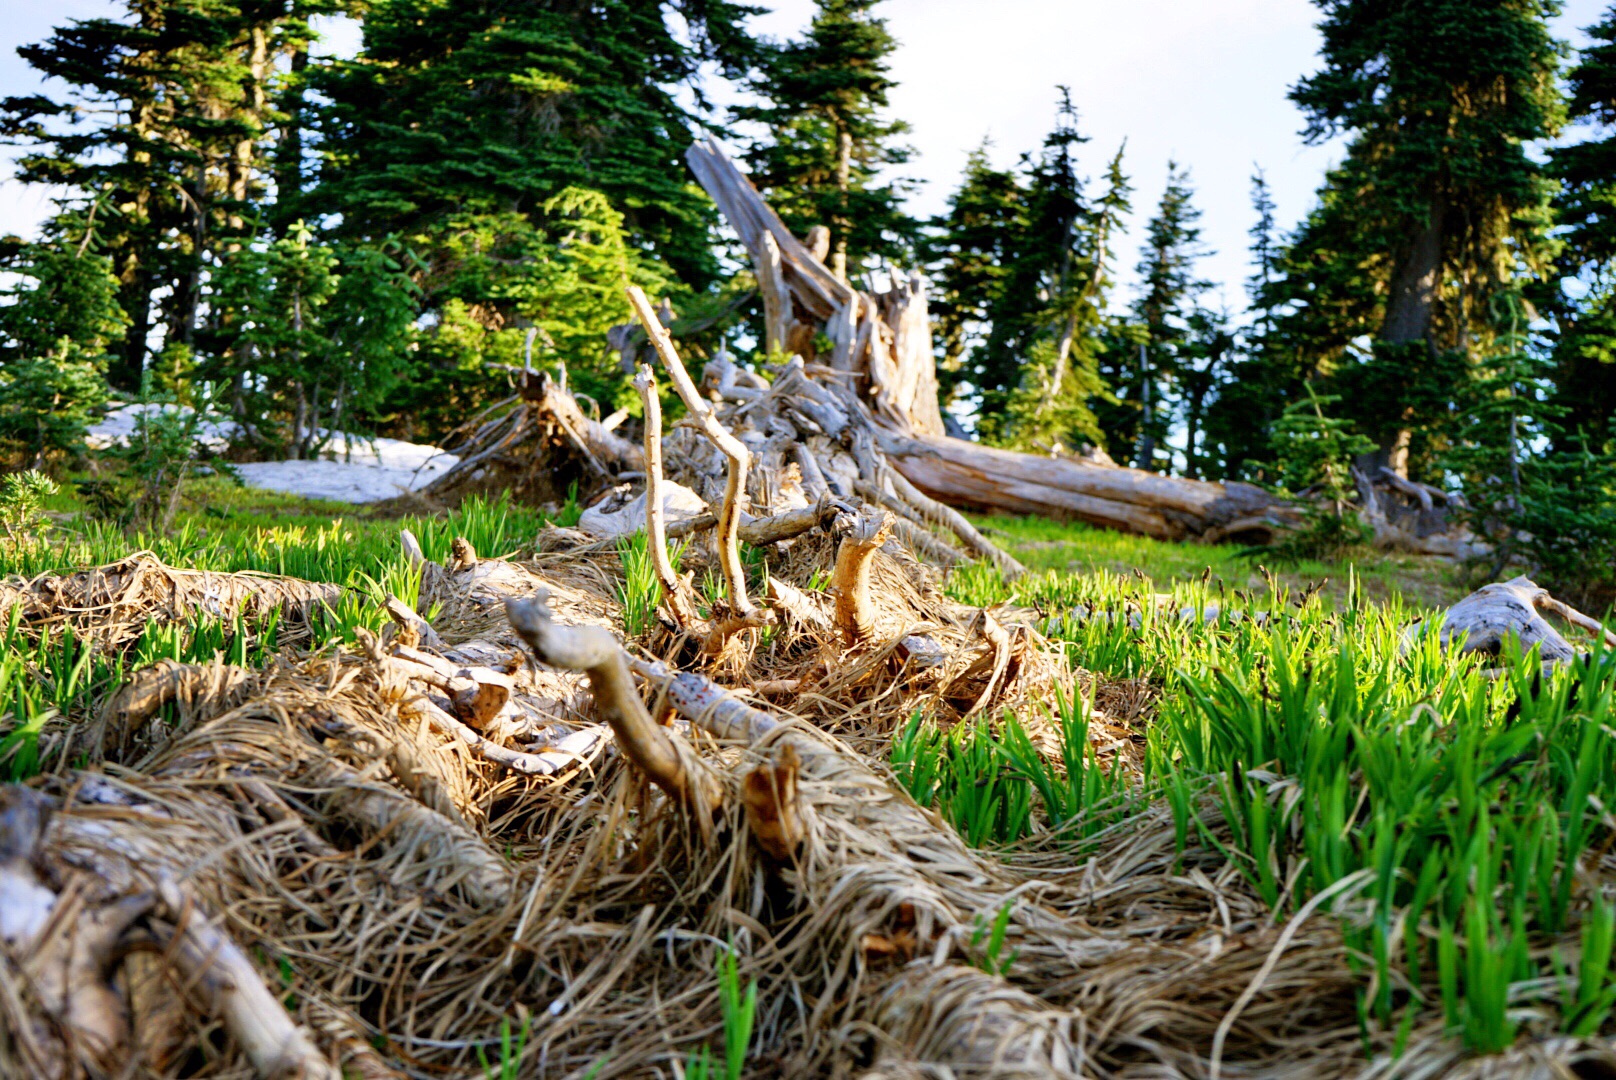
1202 82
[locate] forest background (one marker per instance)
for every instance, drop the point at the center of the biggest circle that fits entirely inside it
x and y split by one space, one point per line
367 238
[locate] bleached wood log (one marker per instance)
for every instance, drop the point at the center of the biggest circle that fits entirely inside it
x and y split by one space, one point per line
1484 619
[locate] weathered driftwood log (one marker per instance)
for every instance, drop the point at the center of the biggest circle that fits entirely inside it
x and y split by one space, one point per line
1130 500
1483 620
496 448
882 355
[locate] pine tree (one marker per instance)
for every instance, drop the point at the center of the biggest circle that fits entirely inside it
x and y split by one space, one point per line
1024 258
168 168
483 107
1166 311
1585 353
828 140
971 250
1259 375
57 328
1436 206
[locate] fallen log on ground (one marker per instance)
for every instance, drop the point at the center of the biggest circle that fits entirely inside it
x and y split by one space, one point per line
882 362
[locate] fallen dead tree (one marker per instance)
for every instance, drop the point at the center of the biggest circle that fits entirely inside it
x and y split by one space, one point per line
880 379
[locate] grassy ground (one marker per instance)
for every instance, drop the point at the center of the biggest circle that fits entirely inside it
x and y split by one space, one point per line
1455 821
1069 548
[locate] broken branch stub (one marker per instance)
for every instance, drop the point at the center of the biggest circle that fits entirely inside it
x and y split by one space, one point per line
855 612
593 650
740 459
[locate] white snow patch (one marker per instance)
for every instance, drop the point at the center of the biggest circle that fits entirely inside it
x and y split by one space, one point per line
25 904
116 428
351 469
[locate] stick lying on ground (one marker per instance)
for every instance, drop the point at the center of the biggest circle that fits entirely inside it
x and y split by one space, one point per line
593 649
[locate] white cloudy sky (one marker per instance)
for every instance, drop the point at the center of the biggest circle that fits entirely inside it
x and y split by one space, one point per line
1199 81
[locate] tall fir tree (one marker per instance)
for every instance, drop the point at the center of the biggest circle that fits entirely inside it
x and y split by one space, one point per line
1023 260
161 142
1585 350
1175 337
971 249
1436 206
828 139
490 107
1259 378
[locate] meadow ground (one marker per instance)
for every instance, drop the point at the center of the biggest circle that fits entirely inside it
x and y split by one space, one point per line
1275 731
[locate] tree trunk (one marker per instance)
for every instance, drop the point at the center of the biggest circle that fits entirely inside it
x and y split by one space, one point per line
289 158
844 180
1410 310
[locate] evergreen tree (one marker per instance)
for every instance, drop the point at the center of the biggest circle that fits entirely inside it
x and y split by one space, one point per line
161 142
1174 332
488 107
828 140
1436 206
1023 260
971 250
1585 353
1259 376
310 334
59 324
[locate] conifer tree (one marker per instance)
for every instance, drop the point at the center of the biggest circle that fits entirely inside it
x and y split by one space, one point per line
1436 206
1166 311
1024 261
971 250
1585 353
483 107
161 142
828 140
1259 378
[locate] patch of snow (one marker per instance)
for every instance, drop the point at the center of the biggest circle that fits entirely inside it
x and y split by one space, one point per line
351 468
116 428
678 503
25 904
367 478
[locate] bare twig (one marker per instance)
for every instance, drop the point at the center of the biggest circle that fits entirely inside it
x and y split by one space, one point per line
675 590
740 459
594 650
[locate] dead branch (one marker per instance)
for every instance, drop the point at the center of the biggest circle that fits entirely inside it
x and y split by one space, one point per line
593 649
955 521
254 1017
759 532
729 518
855 613
769 794
706 704
676 591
